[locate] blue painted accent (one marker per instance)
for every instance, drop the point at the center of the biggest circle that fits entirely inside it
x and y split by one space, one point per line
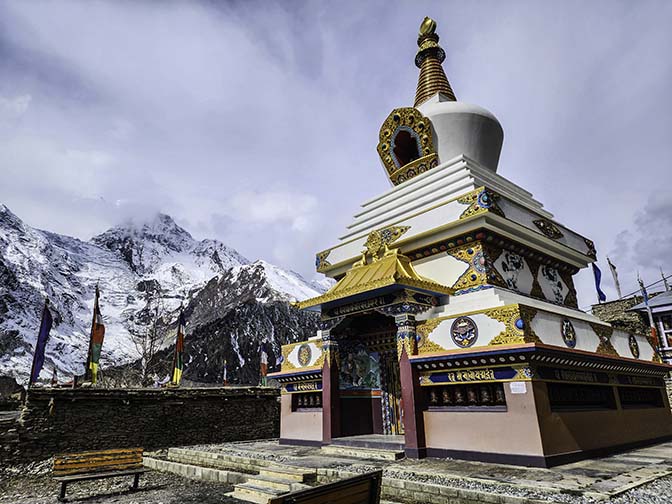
473 289
503 373
297 374
293 387
471 355
520 324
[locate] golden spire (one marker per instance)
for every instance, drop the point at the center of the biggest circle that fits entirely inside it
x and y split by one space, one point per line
432 79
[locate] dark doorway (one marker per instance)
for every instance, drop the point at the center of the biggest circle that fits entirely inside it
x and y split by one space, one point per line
405 147
369 387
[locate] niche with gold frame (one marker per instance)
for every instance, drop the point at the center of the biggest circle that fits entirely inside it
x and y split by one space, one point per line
406 144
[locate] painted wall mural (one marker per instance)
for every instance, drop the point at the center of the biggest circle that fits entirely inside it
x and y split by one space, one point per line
515 271
359 369
552 285
486 266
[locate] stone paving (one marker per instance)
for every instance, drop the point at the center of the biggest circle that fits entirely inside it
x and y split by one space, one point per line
600 479
642 476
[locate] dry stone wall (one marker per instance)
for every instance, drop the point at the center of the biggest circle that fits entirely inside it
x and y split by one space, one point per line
66 420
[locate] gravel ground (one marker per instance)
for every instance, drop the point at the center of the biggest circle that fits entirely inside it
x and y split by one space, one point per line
32 484
656 492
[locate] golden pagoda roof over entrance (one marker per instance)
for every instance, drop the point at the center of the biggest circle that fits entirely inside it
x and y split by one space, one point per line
391 269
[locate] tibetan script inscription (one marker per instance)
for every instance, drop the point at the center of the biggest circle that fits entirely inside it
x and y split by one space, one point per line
469 375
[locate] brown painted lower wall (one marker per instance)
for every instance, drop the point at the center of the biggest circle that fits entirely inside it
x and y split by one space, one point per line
299 425
513 432
566 433
66 420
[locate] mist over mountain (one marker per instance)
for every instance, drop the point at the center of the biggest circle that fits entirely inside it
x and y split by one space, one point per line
145 272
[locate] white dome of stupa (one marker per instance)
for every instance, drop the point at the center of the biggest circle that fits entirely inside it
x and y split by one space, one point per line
438 128
462 128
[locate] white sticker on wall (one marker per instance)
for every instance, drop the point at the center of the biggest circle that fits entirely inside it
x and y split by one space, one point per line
518 387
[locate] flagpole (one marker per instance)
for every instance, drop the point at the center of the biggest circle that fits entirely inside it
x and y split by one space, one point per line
37 343
654 331
662 274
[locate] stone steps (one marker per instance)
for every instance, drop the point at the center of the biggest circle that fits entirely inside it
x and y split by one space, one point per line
295 474
286 485
256 480
254 493
362 453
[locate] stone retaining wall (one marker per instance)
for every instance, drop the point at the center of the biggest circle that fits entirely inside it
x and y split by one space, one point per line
68 420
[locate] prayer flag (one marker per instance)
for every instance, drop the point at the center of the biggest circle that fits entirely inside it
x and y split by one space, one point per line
614 274
264 363
40 345
178 360
601 296
97 336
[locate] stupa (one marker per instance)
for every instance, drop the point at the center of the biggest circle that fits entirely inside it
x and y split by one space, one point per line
453 329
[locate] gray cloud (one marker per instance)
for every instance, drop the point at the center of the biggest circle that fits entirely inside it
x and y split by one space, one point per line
256 122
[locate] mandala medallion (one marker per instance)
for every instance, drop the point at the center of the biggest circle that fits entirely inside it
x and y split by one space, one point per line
304 355
634 346
568 333
479 262
464 332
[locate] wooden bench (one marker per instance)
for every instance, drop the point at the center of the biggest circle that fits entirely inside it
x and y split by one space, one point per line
363 489
100 464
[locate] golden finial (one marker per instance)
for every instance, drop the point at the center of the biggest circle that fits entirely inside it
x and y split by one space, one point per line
428 59
427 27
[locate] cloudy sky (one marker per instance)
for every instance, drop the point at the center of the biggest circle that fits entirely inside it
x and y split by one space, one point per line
256 122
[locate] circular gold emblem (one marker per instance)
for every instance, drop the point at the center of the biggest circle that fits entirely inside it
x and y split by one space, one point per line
568 333
634 346
464 332
305 354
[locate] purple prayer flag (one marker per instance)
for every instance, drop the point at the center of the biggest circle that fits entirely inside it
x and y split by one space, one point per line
42 338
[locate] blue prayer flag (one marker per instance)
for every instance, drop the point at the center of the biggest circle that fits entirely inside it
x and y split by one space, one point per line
42 338
601 296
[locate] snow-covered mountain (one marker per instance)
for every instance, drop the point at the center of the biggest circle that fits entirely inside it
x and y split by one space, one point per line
145 271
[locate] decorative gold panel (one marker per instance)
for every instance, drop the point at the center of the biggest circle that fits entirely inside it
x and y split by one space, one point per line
481 270
548 228
476 273
321 262
527 314
570 298
481 200
518 320
509 315
534 266
410 170
604 334
379 238
424 329
287 349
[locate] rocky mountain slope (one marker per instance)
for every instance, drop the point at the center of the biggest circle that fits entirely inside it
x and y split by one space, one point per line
145 272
